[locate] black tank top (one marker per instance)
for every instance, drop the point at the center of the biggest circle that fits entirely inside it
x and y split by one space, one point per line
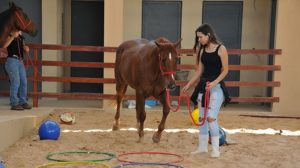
212 64
16 47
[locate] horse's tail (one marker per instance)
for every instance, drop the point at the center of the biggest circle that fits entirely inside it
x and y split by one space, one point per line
119 53
117 62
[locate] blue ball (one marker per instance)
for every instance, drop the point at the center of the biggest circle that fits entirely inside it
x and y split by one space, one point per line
222 139
49 130
2 165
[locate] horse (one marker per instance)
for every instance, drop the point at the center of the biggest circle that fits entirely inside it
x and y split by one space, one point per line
149 68
14 19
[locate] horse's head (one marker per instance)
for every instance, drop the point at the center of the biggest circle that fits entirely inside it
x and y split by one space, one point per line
22 22
168 60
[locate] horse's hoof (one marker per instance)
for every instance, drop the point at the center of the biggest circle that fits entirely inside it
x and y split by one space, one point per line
140 140
115 128
156 138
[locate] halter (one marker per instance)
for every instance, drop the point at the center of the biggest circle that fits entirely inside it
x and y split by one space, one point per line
162 68
22 21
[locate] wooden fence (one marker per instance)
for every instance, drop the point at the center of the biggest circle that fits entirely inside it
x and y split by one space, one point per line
36 78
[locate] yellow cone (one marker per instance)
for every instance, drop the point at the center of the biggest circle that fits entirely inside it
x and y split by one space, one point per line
195 116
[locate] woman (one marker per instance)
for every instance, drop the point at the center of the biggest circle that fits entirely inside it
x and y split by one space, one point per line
16 71
212 60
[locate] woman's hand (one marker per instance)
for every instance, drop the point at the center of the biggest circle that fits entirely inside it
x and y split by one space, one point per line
15 34
211 85
26 48
186 88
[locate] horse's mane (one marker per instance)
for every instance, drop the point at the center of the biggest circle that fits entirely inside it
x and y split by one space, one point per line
162 40
4 18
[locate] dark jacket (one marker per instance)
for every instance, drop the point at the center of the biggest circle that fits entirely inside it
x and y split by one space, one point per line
200 88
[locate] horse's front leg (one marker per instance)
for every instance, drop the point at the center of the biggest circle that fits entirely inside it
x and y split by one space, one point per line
140 113
161 127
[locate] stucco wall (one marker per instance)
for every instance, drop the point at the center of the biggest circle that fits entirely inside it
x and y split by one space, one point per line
287 39
123 22
255 34
113 36
52 34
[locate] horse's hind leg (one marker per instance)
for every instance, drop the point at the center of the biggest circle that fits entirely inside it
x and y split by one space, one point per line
161 127
121 89
140 114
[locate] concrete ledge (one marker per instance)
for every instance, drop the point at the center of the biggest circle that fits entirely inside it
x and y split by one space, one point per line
17 124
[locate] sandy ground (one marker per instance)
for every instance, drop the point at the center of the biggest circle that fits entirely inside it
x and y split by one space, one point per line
92 132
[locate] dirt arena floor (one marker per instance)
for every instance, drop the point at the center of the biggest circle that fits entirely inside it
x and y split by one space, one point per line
92 131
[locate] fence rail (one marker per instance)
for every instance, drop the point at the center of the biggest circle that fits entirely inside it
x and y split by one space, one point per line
37 78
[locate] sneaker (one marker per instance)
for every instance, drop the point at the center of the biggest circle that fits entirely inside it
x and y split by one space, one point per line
198 151
26 106
203 145
17 107
215 154
215 147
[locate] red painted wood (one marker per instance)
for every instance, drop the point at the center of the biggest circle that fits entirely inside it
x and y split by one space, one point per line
35 74
36 78
94 96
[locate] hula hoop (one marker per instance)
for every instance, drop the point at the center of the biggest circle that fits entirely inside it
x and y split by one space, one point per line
180 158
66 163
155 164
110 156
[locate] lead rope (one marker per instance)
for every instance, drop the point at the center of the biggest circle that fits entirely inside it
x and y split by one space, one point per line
206 105
28 59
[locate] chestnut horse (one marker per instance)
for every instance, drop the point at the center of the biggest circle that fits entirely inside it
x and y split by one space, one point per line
148 67
14 19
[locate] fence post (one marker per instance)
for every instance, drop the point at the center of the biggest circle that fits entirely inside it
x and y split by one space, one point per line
35 78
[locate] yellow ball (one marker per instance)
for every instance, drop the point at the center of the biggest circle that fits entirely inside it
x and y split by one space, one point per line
195 116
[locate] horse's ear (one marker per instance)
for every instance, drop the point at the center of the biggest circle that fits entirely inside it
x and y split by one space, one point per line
178 43
159 45
12 4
